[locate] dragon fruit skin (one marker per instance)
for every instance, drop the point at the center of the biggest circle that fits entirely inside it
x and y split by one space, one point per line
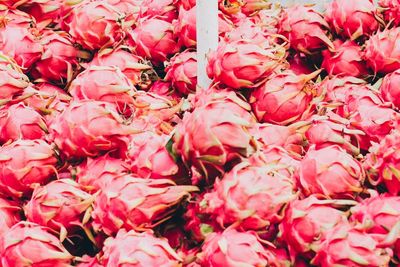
389 88
335 89
85 27
182 72
59 205
352 19
392 11
10 214
165 89
185 27
345 60
251 7
305 29
33 244
361 249
163 9
243 64
153 39
129 8
284 98
25 164
139 249
232 201
87 128
136 203
331 171
381 51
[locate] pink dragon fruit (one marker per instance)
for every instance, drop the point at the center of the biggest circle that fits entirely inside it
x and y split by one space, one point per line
345 60
134 67
237 197
286 163
129 8
381 52
103 83
331 171
28 243
26 164
284 98
95 25
182 72
389 88
131 249
187 4
305 28
87 128
21 122
243 64
251 7
232 248
163 9
135 203
165 89
298 65
306 221
361 249
352 19
335 89
154 39
10 214
391 12
94 174
59 205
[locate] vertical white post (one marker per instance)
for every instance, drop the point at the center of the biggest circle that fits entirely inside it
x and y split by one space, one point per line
207 37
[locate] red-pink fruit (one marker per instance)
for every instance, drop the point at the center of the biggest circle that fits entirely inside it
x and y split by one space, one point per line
230 7
335 89
382 52
286 163
345 60
306 221
187 4
45 12
185 27
305 28
251 196
25 164
251 7
136 203
284 98
163 9
129 8
94 173
232 248
360 249
149 158
298 65
154 39
244 64
60 205
352 19
10 214
133 249
182 72
87 261
391 12
165 89
382 163
331 171
134 67
21 122
59 61
96 24
87 128
389 88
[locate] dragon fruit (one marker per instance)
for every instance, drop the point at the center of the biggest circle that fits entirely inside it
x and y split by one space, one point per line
345 60
361 249
25 164
335 89
10 214
243 64
153 39
284 162
352 19
95 25
21 122
135 203
389 88
87 128
129 8
138 249
306 29
237 197
182 72
185 27
331 171
306 221
33 244
391 12
134 67
59 205
381 52
298 64
45 12
230 7
165 89
163 9
284 98
251 7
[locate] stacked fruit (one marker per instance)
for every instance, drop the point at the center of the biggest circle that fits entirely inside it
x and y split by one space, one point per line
111 155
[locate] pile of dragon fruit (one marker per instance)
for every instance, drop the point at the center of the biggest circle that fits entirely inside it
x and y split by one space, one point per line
111 154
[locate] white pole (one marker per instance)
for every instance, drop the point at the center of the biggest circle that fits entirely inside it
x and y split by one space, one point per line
207 37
